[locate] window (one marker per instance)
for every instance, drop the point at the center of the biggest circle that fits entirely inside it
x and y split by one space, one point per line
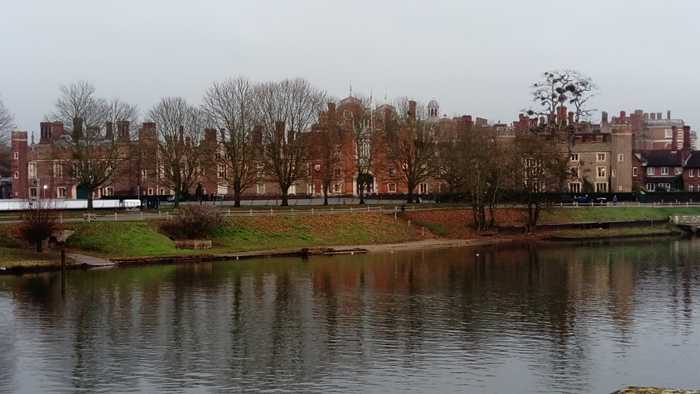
261 189
16 174
222 189
678 170
392 188
338 154
651 187
32 170
600 172
574 157
144 175
423 188
691 188
691 173
669 133
150 191
613 173
392 171
574 172
162 191
221 171
601 187
666 186
575 187
600 156
109 191
16 156
664 170
32 192
57 170
620 157
337 188
635 171
336 172
61 192
651 171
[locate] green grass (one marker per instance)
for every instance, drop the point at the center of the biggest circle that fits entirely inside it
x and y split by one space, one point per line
12 257
665 229
121 239
607 214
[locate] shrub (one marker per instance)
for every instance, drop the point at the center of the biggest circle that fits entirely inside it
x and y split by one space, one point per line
39 222
193 222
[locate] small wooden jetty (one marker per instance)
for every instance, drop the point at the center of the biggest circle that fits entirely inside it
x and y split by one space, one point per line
654 390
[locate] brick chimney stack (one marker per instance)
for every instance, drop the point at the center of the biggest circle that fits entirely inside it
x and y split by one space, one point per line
653 116
604 117
623 117
45 129
109 132
685 152
412 109
331 112
571 118
658 116
123 130
668 114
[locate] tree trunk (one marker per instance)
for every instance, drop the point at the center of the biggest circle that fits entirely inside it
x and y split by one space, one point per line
90 193
325 193
361 193
285 197
237 195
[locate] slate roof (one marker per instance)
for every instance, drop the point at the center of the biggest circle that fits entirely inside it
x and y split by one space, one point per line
693 161
661 158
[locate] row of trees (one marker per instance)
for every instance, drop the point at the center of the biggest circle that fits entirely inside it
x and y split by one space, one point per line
264 131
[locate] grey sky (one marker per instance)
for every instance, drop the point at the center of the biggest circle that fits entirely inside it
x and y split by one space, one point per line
475 57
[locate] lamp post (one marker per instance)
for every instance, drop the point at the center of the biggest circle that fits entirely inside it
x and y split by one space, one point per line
45 186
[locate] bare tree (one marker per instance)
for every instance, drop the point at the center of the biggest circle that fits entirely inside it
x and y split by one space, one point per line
369 144
230 105
39 222
536 168
450 157
7 125
327 144
414 147
556 89
79 100
94 160
482 157
286 111
179 153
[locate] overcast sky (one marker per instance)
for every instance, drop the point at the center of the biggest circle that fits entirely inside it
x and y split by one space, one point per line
477 58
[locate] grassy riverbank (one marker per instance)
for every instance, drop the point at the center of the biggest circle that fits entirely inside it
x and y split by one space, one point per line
111 239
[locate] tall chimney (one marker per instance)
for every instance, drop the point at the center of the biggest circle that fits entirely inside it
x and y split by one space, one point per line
668 114
623 117
686 137
658 116
653 116
604 117
412 109
109 132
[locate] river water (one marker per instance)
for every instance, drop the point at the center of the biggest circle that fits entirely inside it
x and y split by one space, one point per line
509 318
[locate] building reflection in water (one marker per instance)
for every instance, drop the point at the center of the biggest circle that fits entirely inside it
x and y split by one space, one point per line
533 317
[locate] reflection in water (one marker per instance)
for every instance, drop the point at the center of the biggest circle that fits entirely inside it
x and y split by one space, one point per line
505 318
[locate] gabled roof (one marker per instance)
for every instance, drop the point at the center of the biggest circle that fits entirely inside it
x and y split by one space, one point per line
661 158
693 161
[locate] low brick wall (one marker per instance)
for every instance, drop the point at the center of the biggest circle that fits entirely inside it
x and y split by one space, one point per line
196 244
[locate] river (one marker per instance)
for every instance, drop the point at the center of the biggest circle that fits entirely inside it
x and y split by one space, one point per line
518 318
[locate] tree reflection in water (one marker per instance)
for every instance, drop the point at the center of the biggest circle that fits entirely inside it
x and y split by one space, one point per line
533 317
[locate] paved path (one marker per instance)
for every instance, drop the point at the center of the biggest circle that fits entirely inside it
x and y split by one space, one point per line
90 260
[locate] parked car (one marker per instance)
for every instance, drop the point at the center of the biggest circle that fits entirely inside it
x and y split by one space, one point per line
579 199
172 198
